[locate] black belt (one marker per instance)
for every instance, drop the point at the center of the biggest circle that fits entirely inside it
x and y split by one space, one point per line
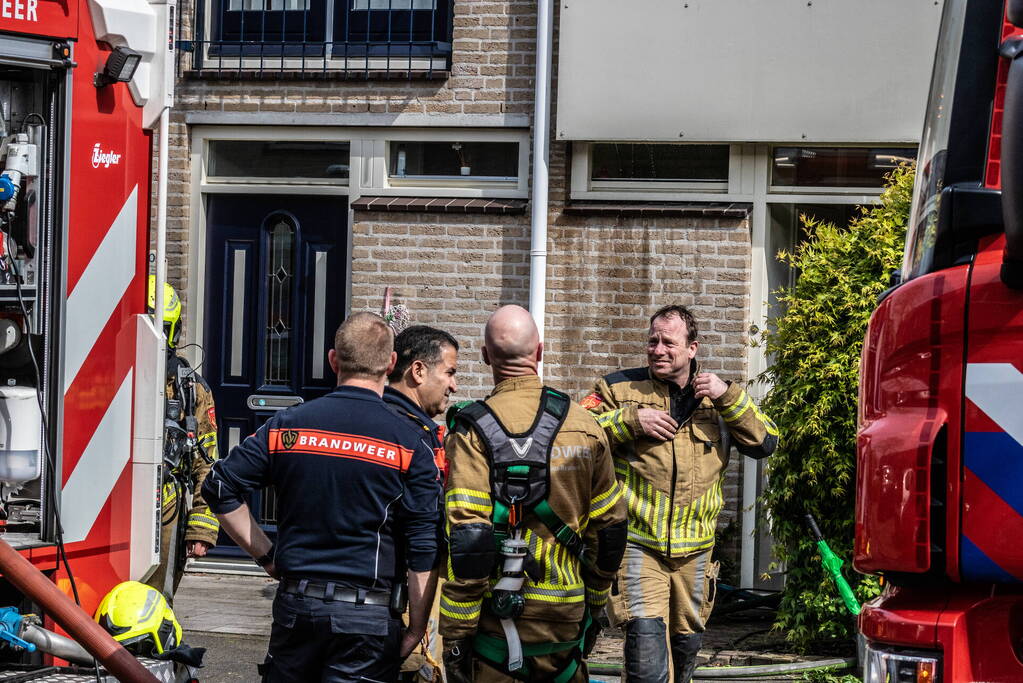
330 591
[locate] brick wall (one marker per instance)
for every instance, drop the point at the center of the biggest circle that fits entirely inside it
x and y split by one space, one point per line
605 276
604 279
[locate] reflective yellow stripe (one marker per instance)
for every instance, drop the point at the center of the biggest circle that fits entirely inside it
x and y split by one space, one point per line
768 423
203 520
613 421
605 501
470 499
737 409
597 598
548 592
463 611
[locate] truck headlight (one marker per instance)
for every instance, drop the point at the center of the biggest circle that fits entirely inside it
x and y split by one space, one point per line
890 666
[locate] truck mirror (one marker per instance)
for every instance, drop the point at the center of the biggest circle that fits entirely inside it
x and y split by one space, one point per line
1012 160
1014 12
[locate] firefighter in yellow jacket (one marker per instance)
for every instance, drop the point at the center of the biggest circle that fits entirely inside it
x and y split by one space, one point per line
671 427
189 529
536 523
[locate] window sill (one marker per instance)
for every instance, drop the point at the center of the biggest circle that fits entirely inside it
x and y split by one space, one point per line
441 205
740 210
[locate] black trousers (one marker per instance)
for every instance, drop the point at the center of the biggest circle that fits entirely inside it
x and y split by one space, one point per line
313 640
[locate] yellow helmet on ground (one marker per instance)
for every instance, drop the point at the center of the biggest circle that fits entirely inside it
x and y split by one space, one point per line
171 310
139 618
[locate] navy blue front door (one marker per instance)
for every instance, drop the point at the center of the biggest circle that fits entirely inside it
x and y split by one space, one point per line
275 293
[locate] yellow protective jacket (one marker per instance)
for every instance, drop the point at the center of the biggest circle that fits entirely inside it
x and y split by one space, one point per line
583 493
673 488
201 525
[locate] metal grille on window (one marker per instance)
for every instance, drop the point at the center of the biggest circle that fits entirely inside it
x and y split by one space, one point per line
280 270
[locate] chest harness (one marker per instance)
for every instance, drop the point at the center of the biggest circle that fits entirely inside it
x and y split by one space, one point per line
519 486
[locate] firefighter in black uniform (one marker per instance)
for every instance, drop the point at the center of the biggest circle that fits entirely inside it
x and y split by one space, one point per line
418 389
356 488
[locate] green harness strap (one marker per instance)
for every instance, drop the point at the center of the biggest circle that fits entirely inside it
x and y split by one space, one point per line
495 652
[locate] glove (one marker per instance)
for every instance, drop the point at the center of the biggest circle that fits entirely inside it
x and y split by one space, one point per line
458 660
590 637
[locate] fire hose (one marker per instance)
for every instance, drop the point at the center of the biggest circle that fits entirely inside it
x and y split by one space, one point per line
97 642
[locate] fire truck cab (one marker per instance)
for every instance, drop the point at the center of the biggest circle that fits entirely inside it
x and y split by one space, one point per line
939 509
83 83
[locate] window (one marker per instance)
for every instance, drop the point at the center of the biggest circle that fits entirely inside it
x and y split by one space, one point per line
451 160
279 161
836 167
659 163
267 37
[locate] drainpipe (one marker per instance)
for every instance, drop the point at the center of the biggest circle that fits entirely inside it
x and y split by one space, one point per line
541 159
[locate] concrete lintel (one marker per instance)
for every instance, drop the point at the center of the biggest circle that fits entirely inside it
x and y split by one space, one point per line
254 118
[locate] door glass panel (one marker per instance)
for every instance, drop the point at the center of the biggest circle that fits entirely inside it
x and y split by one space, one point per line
319 309
237 311
280 271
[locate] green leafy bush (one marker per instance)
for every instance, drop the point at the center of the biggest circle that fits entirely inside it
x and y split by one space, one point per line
815 346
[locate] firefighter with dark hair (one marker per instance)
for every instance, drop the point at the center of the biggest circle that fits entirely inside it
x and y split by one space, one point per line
672 428
536 522
358 493
190 449
418 389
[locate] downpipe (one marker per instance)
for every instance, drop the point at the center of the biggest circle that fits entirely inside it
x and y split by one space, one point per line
541 171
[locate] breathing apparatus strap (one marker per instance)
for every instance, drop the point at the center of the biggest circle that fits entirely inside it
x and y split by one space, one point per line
495 652
520 483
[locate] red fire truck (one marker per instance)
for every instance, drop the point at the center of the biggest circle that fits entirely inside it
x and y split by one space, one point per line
83 85
940 448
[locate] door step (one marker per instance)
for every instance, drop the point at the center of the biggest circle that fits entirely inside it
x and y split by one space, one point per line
223 565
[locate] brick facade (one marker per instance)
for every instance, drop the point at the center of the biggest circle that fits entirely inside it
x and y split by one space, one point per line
605 275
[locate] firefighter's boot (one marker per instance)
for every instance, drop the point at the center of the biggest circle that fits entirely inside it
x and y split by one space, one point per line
684 650
646 651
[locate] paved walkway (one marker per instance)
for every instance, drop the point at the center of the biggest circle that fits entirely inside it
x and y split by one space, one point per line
224 603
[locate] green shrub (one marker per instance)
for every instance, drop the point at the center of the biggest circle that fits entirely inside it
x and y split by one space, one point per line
815 346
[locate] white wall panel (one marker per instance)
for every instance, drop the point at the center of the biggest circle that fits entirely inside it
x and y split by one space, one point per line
745 70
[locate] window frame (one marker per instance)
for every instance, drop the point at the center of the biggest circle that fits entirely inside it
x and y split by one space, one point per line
264 180
584 187
313 56
454 186
825 190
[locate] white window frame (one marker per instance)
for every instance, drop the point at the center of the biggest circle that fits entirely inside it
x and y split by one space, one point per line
367 174
249 181
583 187
454 186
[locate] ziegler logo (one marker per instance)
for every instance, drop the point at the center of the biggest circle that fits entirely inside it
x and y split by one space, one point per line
99 157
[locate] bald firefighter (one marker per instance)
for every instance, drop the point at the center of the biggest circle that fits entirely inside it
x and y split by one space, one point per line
189 529
536 523
672 427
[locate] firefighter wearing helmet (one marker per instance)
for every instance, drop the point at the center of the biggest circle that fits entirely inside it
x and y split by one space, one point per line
190 448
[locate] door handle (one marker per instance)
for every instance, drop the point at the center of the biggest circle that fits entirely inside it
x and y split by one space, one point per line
272 402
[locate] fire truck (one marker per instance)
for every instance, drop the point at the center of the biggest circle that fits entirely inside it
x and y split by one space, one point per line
939 509
85 87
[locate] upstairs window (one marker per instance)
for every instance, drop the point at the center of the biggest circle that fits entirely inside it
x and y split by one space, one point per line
321 37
